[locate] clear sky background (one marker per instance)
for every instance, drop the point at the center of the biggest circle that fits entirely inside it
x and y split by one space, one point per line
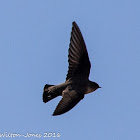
34 42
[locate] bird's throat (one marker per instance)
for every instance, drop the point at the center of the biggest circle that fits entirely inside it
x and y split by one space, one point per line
89 90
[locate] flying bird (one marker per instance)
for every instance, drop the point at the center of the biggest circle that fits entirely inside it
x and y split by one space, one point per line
77 82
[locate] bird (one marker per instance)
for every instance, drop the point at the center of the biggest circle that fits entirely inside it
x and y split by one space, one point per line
77 83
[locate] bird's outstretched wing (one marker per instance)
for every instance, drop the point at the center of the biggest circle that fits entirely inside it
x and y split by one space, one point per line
69 100
79 64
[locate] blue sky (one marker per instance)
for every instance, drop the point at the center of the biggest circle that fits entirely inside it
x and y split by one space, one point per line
34 41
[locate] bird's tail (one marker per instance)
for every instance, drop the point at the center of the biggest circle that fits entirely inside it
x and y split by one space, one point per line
50 92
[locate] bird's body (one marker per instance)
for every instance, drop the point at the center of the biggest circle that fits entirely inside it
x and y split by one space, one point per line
77 83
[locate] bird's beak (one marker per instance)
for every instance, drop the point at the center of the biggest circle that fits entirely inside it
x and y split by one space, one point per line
100 87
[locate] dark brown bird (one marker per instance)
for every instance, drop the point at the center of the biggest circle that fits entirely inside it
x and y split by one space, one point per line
77 82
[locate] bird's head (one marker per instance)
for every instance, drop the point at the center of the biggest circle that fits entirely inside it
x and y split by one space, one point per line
95 85
92 87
